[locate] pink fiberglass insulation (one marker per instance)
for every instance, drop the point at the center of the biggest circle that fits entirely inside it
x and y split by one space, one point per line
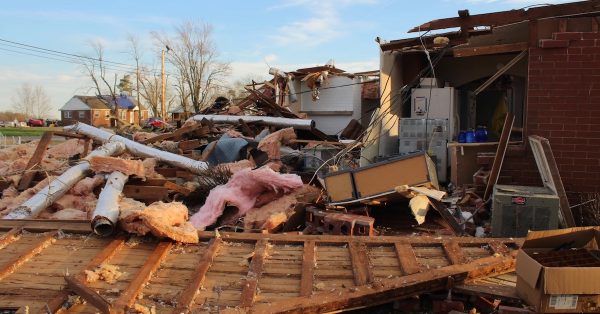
242 190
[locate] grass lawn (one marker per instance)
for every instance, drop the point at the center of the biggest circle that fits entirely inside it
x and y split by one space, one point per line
32 131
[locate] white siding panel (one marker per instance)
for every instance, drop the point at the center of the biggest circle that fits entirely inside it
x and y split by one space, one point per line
333 98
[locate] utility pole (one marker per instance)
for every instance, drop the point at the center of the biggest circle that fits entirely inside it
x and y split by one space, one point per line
164 107
137 88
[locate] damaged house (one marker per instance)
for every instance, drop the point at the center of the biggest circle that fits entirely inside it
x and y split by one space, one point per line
541 64
409 211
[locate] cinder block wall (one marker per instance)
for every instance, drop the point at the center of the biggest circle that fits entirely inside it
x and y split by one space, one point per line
563 105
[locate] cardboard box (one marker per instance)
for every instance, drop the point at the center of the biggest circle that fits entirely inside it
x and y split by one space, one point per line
558 271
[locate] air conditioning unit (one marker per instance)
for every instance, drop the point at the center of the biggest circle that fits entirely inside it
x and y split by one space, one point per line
518 209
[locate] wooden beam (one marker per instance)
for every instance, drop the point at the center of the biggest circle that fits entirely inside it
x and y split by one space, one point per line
33 225
498 73
360 263
500 153
177 188
387 290
34 161
86 148
254 273
129 295
186 299
188 145
102 257
11 236
146 193
22 258
489 50
510 17
498 248
172 135
246 130
308 268
448 218
406 258
297 239
88 294
454 253
69 135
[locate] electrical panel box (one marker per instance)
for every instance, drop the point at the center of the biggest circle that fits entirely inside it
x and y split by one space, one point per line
518 209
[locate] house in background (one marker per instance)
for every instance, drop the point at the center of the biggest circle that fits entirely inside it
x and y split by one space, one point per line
95 110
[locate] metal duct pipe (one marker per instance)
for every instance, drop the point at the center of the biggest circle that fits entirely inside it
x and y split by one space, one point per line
107 209
301 124
139 149
63 183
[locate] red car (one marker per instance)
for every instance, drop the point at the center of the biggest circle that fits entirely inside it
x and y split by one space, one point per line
35 122
156 123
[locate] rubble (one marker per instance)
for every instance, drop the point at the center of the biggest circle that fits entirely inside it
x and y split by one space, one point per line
364 216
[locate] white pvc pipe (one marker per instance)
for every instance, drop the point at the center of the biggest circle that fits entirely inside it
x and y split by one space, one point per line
107 209
63 183
301 124
139 149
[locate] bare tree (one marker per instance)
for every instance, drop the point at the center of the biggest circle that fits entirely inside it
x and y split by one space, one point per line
194 57
95 68
31 101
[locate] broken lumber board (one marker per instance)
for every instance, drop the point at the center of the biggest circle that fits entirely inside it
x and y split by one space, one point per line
500 153
489 50
187 297
34 161
443 211
9 237
177 188
360 263
70 135
173 135
188 145
256 268
146 193
34 249
295 266
308 268
387 290
128 297
102 257
89 295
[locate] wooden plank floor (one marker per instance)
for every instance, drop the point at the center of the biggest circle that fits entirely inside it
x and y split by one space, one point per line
233 271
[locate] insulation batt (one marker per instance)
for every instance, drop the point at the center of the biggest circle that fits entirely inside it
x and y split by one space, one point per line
242 190
165 220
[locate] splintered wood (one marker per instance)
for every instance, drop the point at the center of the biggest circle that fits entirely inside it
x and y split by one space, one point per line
261 273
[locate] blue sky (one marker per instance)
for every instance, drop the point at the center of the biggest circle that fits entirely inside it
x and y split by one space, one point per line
287 34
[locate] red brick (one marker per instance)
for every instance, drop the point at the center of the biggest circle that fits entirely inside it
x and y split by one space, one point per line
567 36
574 50
590 35
583 43
590 50
550 43
562 58
583 57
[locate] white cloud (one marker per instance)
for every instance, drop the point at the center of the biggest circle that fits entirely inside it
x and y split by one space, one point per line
260 70
322 25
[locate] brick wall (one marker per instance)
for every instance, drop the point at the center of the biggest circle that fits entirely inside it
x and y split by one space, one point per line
564 106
